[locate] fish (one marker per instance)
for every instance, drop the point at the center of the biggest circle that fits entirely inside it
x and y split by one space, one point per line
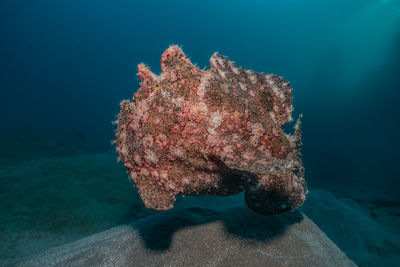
216 131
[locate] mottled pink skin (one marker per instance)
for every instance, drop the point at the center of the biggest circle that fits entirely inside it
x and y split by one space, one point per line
192 131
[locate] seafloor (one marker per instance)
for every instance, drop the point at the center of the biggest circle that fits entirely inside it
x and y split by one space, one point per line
56 190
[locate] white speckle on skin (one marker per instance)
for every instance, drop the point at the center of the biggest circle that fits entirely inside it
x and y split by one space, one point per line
242 86
224 88
171 185
275 88
257 129
252 77
211 130
204 82
222 73
134 175
228 149
145 172
216 119
164 175
200 108
165 94
217 61
142 109
178 152
150 156
248 155
124 151
178 101
277 92
235 70
253 140
220 62
148 140
213 61
272 115
212 139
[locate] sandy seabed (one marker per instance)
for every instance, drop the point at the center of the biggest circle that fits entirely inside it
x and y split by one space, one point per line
51 201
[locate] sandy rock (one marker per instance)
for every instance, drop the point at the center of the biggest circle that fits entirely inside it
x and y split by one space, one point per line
202 237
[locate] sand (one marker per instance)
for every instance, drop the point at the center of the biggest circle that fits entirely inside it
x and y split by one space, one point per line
202 237
50 202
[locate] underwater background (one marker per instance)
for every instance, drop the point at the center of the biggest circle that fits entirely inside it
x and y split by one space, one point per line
66 65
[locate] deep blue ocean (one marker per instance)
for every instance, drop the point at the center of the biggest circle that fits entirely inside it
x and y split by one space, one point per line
66 65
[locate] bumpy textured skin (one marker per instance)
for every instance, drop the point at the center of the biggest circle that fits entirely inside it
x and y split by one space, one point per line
190 131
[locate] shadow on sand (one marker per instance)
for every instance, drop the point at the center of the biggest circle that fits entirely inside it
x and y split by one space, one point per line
157 231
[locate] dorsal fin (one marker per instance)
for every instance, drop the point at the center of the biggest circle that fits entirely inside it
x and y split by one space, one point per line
145 74
174 57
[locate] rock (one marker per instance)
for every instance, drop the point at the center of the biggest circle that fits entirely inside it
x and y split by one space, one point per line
203 237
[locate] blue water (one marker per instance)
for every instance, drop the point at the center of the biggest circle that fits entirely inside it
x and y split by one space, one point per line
66 65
